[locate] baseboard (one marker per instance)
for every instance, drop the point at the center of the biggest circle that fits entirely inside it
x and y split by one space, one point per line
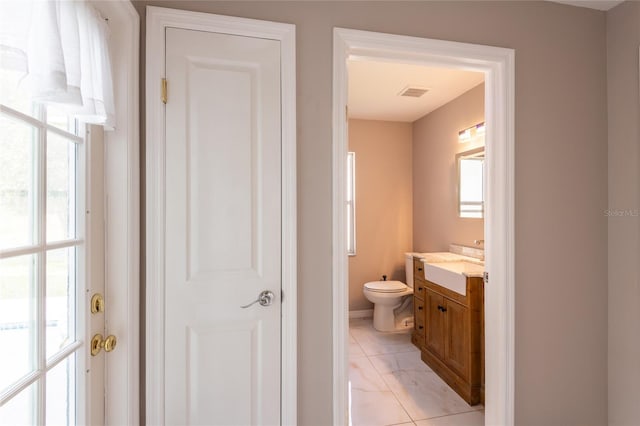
365 313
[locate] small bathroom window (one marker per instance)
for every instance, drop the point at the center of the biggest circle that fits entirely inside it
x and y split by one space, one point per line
351 203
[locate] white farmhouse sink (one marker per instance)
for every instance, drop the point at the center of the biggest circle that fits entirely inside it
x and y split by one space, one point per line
452 275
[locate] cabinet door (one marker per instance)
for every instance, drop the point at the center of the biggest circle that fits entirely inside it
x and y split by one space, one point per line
434 336
456 337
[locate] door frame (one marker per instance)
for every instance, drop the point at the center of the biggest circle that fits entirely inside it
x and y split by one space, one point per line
122 227
158 19
498 65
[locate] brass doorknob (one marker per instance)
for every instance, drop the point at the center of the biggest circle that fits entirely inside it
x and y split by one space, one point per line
97 344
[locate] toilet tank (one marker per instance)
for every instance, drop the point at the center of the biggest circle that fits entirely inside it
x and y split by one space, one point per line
408 268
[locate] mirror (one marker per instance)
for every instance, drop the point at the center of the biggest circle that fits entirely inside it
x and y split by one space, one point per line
471 183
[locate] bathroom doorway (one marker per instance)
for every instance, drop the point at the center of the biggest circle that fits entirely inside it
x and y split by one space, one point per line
405 125
496 65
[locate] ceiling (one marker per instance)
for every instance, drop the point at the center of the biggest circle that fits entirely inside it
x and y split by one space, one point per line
374 88
592 4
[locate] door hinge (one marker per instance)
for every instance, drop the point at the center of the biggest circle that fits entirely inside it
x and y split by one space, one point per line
485 277
281 296
346 112
163 90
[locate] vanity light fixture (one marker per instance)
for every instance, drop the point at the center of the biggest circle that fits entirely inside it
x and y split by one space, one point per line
470 133
464 135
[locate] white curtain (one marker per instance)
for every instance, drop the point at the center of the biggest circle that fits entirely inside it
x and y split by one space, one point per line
62 47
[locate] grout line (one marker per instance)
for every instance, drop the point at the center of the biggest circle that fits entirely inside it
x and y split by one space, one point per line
396 353
388 387
360 346
392 391
447 415
396 397
470 410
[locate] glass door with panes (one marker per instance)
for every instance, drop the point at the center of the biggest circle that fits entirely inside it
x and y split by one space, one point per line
44 322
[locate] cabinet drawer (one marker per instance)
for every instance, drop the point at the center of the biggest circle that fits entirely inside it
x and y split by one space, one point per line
418 269
419 325
419 288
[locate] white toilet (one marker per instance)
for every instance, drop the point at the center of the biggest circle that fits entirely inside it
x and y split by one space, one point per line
392 301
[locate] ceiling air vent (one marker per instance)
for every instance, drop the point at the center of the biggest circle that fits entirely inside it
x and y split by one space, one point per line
413 91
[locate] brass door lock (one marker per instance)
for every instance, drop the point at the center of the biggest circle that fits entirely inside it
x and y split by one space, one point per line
97 303
97 344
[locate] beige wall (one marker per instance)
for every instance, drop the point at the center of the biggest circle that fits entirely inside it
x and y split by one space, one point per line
435 174
560 182
623 39
383 204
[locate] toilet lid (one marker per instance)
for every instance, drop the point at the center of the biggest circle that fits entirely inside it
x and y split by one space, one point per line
386 286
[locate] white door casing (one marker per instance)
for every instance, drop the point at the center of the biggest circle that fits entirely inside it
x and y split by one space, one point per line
122 216
498 66
221 220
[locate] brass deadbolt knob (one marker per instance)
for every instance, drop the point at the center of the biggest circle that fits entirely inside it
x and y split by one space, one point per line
97 303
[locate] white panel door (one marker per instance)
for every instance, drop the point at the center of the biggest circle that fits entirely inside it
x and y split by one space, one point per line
223 229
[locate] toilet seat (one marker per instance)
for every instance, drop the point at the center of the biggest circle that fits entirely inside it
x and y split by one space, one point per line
386 286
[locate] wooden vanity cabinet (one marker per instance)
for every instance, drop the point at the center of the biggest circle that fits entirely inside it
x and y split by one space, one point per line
448 330
453 333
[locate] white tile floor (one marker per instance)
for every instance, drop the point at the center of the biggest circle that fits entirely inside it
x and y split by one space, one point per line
390 385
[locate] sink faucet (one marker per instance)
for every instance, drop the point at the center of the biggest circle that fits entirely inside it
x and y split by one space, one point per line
478 242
